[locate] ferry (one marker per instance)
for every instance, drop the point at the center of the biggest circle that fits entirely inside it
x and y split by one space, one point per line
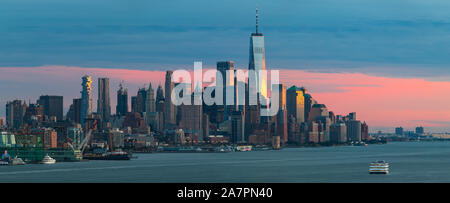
244 148
379 167
48 160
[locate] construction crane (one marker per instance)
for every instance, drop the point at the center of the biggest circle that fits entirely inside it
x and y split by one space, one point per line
87 137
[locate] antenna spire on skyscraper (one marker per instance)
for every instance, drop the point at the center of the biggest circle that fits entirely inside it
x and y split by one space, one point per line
256 19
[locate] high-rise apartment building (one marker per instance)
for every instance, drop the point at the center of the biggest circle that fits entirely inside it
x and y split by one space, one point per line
354 130
86 98
103 101
338 132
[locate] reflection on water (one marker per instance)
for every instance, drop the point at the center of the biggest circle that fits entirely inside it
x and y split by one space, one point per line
409 161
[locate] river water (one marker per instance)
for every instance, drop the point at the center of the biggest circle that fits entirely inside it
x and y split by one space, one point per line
409 162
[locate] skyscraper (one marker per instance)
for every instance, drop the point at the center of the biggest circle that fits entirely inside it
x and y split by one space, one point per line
169 107
33 115
399 131
103 101
122 101
52 106
317 111
15 111
295 102
282 116
419 130
353 130
258 59
150 108
352 116
138 102
226 69
237 127
364 131
76 105
338 132
150 100
159 99
86 98
191 118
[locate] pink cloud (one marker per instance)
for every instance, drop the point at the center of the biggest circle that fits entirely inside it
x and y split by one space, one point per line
380 101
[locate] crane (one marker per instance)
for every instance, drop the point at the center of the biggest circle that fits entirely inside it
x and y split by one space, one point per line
87 137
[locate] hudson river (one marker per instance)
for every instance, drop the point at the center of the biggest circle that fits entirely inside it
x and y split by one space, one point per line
409 162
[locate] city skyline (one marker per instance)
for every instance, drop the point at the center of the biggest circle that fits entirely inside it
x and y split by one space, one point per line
331 98
384 99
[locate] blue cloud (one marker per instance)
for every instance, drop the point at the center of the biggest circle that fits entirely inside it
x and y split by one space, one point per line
348 35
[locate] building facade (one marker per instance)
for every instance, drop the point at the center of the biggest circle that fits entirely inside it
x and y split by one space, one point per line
103 101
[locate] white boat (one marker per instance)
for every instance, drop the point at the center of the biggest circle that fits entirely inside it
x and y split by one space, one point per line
17 161
244 148
48 160
379 167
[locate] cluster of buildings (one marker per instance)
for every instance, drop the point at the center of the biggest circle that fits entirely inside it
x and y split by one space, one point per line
419 132
151 118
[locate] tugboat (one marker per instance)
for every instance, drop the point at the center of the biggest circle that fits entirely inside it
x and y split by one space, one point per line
5 159
379 167
48 160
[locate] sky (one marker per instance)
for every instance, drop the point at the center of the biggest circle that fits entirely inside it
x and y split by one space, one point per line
386 60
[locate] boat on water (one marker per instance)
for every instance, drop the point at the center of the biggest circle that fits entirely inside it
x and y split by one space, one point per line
244 148
17 161
379 167
116 155
360 143
5 159
224 149
48 160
